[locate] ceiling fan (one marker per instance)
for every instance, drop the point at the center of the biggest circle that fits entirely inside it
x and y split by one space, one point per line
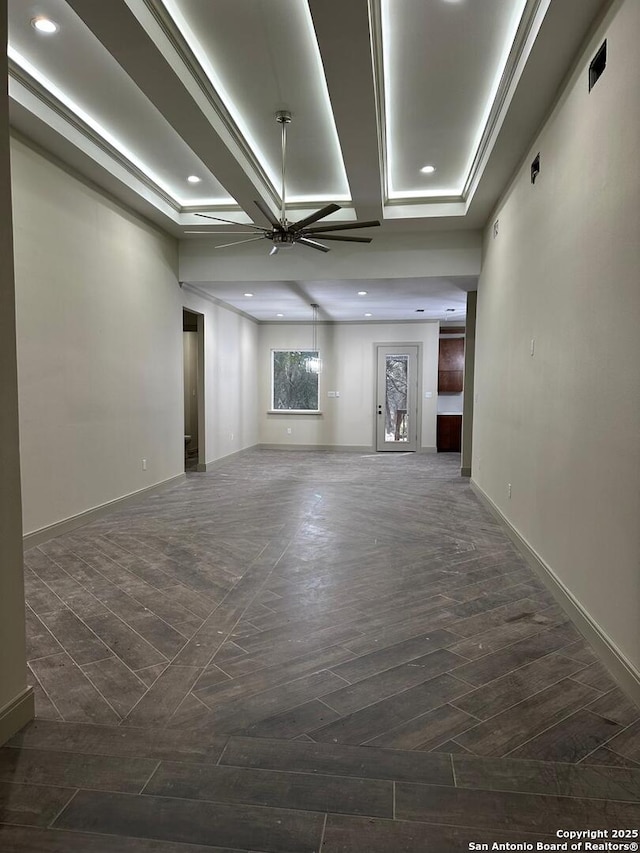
284 234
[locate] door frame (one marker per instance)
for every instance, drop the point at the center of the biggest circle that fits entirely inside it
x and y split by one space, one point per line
200 386
398 345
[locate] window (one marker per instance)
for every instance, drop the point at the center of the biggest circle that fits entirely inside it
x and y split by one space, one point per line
294 387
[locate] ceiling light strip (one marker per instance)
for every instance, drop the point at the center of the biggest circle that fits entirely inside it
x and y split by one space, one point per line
528 27
528 23
377 58
327 105
384 129
174 35
65 110
175 28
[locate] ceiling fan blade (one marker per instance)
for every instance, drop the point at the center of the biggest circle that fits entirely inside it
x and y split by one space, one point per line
215 233
264 210
231 222
313 244
345 226
319 214
345 239
238 242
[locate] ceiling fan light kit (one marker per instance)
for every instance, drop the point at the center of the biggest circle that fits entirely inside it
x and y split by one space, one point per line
284 234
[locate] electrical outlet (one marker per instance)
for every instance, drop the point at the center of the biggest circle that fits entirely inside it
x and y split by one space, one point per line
231 436
496 228
533 347
289 430
509 490
144 464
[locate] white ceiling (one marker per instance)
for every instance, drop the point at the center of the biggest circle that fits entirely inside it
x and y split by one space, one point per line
386 299
139 94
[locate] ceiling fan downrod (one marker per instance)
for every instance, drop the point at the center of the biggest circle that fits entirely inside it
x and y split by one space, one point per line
285 235
283 117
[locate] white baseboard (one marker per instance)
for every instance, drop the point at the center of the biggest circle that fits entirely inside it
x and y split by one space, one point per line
16 714
337 448
37 537
620 667
218 463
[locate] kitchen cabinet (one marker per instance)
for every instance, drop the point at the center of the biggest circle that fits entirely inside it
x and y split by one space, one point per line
451 365
449 434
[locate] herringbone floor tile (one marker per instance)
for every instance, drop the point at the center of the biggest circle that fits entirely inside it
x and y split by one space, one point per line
308 652
339 598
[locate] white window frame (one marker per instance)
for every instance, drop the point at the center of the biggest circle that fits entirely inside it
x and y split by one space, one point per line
273 411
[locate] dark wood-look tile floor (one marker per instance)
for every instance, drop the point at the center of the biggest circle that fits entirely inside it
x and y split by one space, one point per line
308 651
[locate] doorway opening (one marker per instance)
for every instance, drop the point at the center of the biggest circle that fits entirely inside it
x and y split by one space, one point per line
193 362
397 409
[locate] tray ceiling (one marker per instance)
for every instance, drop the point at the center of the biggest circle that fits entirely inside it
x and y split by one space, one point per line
142 94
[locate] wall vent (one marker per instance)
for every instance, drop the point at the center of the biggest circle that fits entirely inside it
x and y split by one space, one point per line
535 168
598 64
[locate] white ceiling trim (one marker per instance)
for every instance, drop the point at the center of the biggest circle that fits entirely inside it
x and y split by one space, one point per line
420 203
160 61
25 92
33 79
209 297
168 30
528 29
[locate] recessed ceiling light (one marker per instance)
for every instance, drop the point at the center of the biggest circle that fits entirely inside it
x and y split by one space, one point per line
279 315
194 179
428 170
248 294
362 293
368 315
45 25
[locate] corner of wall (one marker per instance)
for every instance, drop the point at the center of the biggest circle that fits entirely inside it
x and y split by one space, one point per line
16 714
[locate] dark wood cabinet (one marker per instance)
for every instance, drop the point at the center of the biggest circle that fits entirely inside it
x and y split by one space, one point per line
449 381
451 365
449 434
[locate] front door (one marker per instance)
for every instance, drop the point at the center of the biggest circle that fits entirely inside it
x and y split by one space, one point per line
397 424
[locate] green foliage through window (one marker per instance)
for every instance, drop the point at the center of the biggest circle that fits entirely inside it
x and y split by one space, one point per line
293 386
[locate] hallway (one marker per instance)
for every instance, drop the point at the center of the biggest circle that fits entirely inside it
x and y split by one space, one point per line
306 651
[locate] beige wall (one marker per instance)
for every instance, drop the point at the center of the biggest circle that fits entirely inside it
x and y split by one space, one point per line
390 255
563 426
348 357
231 388
16 706
99 345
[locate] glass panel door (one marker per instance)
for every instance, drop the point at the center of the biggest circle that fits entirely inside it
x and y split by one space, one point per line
397 410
